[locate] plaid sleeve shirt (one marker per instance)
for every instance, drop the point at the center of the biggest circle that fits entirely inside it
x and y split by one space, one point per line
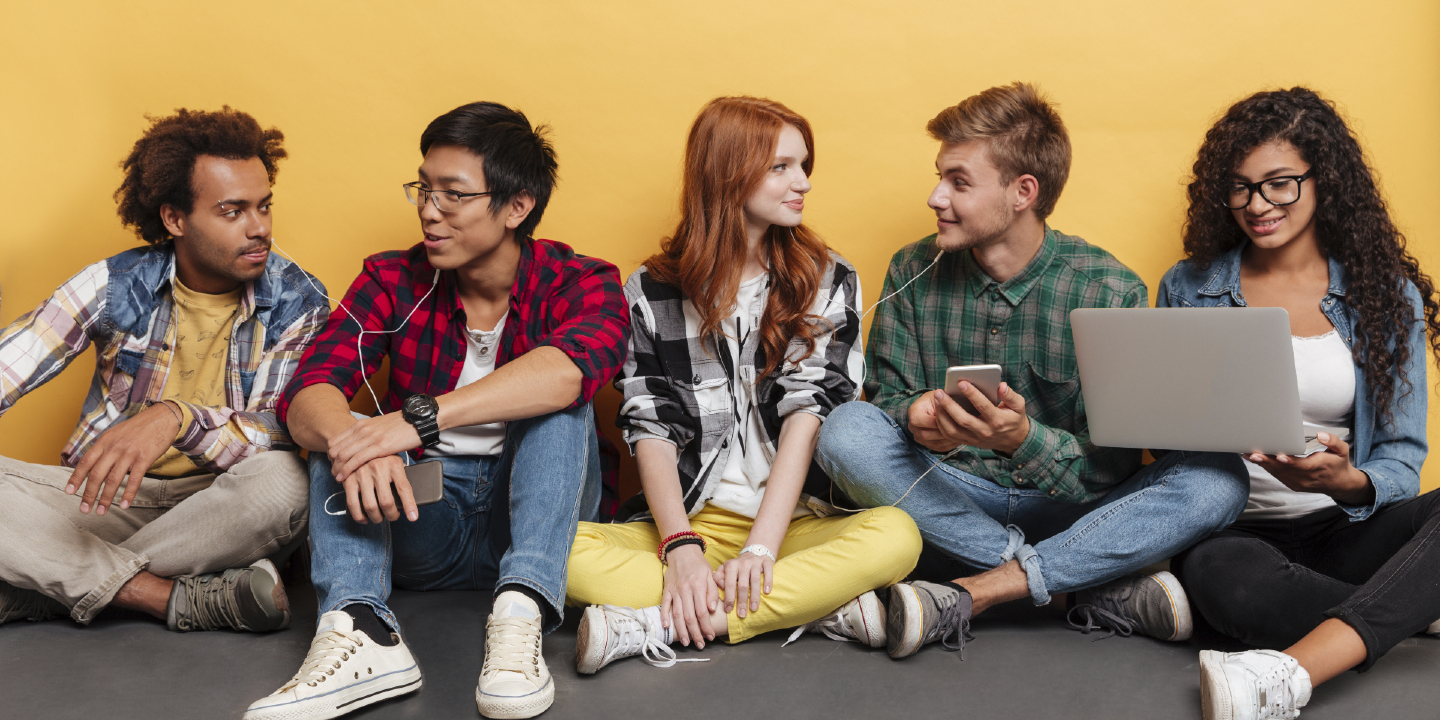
956 314
132 364
560 299
680 385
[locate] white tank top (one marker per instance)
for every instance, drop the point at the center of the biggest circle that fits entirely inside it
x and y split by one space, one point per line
1326 374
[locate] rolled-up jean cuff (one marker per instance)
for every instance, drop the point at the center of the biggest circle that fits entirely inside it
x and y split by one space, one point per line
97 599
1017 541
1030 563
1352 618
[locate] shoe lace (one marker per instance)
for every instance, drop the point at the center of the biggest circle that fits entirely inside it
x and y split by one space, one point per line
954 622
832 626
513 645
1277 697
29 605
327 651
212 602
635 633
1107 610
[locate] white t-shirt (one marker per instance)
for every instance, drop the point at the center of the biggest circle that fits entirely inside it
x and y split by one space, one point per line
480 349
1326 374
741 487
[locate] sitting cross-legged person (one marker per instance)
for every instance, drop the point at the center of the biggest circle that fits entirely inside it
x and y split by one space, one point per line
745 338
188 487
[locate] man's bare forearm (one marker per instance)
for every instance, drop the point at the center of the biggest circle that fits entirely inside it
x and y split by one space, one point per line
539 382
318 413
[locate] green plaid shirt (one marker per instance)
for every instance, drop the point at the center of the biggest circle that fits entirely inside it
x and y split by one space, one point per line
958 315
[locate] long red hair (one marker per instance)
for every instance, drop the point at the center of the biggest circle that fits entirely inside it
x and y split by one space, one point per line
732 145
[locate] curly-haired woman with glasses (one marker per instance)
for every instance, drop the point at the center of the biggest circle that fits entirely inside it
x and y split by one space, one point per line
744 338
1334 560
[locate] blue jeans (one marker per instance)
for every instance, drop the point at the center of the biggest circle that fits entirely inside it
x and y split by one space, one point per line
1163 509
546 480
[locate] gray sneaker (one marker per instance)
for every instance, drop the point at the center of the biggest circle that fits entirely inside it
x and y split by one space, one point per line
922 612
20 604
250 598
1153 605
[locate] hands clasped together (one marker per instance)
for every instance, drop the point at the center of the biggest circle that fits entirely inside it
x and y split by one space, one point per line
365 460
692 590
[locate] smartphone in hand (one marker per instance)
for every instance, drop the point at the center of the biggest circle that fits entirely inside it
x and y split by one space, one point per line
985 378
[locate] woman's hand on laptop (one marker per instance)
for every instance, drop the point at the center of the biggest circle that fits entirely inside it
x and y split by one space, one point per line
1328 472
940 424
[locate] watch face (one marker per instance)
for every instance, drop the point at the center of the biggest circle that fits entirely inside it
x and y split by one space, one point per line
420 406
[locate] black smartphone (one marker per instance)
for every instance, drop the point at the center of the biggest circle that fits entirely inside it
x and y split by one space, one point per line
427 481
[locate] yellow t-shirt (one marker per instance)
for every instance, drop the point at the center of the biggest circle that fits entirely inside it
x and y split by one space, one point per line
202 325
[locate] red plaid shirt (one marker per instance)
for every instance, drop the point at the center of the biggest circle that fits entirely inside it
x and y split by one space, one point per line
568 301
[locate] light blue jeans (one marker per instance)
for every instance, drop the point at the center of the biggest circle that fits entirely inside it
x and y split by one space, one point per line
504 520
1164 508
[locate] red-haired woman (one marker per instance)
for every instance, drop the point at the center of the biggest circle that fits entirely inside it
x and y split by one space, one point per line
744 337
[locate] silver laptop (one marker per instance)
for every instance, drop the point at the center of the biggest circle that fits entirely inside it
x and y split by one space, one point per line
1211 379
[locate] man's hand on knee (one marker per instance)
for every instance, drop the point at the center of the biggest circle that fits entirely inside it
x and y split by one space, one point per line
369 496
126 448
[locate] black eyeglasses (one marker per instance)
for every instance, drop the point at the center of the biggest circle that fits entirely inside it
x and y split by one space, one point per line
446 201
1277 191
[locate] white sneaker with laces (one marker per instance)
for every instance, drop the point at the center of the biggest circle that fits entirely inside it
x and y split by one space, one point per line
1252 685
514 682
610 632
345 670
861 619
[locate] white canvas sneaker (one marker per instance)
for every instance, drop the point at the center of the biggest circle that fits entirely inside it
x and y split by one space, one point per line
610 632
514 682
1433 628
345 670
861 619
1252 685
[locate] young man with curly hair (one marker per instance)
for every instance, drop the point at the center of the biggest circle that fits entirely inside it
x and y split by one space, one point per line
496 342
1013 493
185 478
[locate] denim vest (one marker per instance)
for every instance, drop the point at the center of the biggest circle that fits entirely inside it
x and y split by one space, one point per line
1390 454
279 297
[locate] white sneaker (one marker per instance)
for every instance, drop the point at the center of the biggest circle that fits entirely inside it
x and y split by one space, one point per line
514 682
610 632
861 619
1252 685
345 670
1433 628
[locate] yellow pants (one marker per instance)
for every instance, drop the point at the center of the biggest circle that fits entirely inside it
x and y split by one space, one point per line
823 563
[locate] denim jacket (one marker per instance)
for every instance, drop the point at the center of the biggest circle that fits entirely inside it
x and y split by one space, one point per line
1391 455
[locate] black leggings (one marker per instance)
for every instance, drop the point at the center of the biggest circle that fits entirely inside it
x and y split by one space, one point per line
1268 583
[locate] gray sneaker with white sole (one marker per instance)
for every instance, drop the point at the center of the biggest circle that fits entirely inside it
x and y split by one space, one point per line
1153 605
922 612
250 598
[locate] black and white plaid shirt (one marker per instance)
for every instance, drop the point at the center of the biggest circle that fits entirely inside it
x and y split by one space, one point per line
679 386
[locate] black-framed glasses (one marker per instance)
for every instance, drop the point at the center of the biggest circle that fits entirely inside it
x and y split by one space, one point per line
1277 191
446 201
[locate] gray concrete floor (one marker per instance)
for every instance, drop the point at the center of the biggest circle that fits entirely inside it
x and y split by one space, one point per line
1024 663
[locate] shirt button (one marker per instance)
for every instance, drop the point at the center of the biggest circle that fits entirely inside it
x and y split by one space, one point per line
995 331
484 351
724 444
695 380
1019 481
1020 465
1052 492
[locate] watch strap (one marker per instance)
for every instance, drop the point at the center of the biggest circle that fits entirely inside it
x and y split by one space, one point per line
429 430
761 550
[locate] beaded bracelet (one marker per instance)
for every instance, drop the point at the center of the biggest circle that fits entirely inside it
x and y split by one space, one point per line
667 542
680 542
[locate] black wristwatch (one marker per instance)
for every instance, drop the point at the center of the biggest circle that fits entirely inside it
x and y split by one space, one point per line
423 412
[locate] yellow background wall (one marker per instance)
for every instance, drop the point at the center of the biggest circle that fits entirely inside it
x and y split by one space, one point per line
352 84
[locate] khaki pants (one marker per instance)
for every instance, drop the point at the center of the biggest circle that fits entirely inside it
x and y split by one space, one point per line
824 563
173 527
